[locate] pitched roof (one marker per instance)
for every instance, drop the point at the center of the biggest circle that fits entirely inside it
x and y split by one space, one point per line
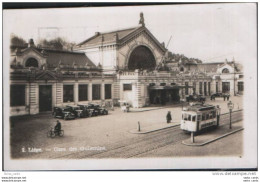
118 36
108 37
56 57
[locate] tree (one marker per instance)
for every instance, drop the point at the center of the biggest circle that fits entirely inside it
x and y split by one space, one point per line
57 44
17 42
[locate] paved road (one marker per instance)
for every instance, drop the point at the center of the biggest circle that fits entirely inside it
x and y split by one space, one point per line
146 144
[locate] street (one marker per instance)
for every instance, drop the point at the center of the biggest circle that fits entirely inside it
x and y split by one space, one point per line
109 136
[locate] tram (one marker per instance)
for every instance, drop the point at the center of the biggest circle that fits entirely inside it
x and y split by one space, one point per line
198 117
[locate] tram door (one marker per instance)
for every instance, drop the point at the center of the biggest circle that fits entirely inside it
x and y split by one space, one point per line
45 98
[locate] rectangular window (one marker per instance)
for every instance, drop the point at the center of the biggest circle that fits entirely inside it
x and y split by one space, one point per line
96 92
198 117
17 95
162 84
205 88
200 87
194 87
127 87
240 86
203 117
209 89
83 92
216 86
68 93
225 87
186 88
108 92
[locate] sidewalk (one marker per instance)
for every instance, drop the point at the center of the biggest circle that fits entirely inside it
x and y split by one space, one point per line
211 136
153 128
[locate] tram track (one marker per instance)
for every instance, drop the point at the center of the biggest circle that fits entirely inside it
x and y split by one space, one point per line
146 143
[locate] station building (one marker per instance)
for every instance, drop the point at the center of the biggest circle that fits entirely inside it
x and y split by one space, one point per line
124 65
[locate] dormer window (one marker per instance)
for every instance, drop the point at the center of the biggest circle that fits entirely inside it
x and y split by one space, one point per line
31 62
225 70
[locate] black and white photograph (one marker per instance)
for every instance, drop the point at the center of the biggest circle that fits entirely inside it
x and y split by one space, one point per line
138 87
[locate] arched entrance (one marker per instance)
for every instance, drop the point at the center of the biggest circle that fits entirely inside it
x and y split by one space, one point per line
141 58
31 62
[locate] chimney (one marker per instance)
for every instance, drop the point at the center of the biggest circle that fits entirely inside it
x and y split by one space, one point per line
97 33
31 43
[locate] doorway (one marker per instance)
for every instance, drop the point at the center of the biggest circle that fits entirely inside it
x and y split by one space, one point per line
45 98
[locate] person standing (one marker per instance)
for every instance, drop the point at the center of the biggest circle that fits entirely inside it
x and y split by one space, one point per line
227 97
218 114
224 96
169 117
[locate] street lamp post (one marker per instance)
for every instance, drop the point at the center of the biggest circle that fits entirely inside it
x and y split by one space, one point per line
230 106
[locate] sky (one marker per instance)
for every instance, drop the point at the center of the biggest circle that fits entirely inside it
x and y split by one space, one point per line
210 32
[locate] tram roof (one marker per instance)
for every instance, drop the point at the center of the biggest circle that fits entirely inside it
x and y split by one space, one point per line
200 107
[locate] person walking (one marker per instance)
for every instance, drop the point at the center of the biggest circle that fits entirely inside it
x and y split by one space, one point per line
169 117
224 96
227 97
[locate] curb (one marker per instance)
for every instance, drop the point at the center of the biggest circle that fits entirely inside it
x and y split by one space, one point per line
210 141
144 132
156 108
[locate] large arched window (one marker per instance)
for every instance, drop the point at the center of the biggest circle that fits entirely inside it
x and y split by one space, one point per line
181 69
141 58
225 70
31 62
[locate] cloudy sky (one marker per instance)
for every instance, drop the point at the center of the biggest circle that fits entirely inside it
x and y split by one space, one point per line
210 32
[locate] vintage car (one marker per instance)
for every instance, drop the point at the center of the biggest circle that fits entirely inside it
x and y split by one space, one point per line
196 98
98 110
87 112
75 110
63 112
217 94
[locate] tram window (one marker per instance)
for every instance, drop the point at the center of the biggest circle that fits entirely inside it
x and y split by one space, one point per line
214 114
203 117
207 116
189 117
210 115
193 118
198 117
185 116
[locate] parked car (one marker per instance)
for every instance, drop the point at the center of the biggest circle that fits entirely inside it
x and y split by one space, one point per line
86 111
196 98
63 112
75 110
217 94
98 110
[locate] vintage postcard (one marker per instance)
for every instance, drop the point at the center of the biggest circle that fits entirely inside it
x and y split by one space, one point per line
169 87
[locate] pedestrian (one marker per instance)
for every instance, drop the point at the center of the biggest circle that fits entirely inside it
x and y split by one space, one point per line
224 96
218 114
169 117
227 97
57 127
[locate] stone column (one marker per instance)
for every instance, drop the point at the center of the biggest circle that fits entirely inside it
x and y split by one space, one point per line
90 91
76 92
102 91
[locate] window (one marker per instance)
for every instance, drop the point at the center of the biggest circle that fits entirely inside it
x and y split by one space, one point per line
181 69
162 84
209 89
17 95
31 62
83 92
225 70
150 84
213 114
200 87
240 86
241 76
194 87
186 88
193 118
96 91
198 117
216 86
68 93
205 88
203 117
225 87
108 92
127 87
173 83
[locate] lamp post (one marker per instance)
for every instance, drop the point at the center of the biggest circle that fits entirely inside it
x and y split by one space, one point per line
230 106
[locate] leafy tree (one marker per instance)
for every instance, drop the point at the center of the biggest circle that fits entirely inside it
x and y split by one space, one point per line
17 42
57 44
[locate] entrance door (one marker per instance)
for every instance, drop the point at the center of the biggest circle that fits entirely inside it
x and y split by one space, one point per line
45 98
225 87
